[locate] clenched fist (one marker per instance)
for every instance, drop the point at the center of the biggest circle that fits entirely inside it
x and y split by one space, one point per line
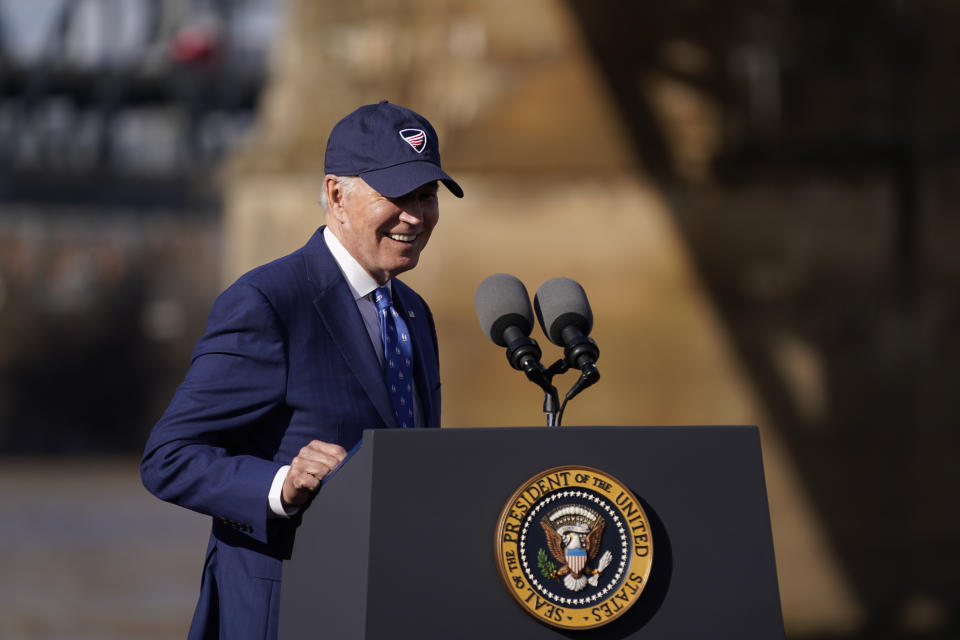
308 468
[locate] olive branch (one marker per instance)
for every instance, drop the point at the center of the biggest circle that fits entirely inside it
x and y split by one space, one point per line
547 568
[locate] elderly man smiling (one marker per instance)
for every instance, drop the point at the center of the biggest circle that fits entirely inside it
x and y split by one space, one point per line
299 356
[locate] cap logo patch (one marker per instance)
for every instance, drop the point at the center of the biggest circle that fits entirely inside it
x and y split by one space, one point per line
416 138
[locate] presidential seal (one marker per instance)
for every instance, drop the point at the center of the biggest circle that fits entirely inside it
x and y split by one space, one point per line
573 547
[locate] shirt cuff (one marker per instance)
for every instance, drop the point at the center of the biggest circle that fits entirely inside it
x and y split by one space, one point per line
274 498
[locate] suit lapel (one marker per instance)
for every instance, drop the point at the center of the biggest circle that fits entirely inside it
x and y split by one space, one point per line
338 311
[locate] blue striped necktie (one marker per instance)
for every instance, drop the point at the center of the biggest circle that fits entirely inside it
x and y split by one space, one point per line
397 357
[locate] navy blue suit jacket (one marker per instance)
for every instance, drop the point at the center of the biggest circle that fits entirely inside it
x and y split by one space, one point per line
285 359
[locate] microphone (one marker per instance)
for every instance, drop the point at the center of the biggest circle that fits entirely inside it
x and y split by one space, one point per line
566 319
503 308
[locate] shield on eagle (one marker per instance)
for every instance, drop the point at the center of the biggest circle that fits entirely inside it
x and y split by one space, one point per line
576 559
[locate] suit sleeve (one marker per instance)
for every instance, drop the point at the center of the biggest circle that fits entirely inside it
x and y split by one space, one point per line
209 452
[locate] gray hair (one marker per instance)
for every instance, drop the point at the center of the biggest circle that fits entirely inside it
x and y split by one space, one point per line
348 184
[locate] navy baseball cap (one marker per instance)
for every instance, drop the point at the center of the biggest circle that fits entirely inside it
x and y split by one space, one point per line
391 147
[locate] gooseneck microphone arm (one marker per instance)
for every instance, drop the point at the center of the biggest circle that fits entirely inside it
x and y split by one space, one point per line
522 350
523 354
580 351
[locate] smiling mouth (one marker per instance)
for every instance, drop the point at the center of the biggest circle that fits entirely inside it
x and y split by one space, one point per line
399 237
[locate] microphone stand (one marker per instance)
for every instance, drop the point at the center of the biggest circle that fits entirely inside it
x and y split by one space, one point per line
554 413
589 375
551 400
523 353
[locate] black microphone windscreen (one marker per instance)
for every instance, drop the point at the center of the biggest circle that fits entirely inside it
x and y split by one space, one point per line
561 302
503 301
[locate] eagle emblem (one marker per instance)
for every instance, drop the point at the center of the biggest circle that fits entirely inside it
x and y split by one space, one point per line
558 532
573 535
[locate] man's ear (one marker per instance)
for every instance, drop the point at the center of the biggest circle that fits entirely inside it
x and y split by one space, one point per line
335 194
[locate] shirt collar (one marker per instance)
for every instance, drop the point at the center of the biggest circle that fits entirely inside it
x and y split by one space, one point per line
360 282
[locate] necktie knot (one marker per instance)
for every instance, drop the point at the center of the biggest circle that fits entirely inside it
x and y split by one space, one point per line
382 298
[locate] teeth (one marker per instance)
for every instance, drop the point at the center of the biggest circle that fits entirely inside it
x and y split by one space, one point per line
401 238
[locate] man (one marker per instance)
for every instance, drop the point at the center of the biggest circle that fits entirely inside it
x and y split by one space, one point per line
299 356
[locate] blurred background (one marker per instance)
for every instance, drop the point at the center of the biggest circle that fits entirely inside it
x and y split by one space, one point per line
760 198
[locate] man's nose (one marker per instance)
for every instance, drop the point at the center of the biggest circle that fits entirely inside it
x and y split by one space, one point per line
412 213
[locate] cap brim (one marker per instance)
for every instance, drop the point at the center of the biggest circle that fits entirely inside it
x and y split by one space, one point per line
401 179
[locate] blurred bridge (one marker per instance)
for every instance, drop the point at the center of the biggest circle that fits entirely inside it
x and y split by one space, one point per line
151 91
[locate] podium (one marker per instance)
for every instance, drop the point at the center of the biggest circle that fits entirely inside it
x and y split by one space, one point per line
399 542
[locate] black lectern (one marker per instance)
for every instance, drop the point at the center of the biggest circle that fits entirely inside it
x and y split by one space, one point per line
399 543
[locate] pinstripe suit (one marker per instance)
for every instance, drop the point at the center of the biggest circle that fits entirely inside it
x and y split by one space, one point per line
285 359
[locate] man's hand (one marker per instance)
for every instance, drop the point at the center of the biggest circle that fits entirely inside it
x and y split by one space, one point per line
311 465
